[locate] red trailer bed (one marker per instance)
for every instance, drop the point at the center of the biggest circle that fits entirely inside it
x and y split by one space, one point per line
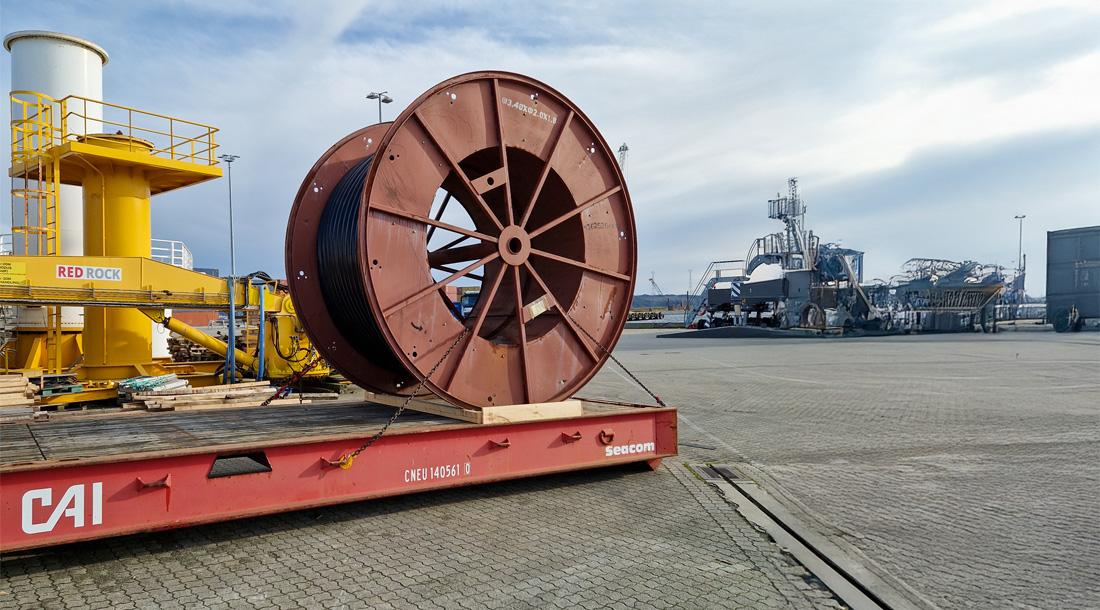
85 478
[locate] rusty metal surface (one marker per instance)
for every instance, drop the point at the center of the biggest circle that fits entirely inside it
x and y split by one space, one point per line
545 225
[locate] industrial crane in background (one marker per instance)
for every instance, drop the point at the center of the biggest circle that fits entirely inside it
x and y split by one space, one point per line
649 312
656 289
658 292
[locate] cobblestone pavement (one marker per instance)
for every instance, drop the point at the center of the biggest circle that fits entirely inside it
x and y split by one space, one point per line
965 466
623 537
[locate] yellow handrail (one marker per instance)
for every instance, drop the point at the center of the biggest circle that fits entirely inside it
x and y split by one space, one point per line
171 138
86 119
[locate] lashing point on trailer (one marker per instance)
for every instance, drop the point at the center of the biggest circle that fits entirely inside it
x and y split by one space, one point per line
571 438
607 436
344 462
165 482
504 444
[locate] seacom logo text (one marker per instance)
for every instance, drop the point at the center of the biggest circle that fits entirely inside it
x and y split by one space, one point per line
77 272
612 450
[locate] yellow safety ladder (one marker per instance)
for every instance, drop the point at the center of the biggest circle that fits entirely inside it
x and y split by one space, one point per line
35 187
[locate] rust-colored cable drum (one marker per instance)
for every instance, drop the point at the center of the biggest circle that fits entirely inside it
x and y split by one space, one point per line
490 178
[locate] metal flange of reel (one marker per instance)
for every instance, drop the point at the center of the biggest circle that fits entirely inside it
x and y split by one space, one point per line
489 178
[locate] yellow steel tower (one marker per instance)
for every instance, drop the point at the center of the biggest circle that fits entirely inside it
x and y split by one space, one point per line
119 173
120 287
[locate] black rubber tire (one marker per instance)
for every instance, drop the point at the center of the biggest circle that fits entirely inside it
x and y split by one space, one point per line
1061 321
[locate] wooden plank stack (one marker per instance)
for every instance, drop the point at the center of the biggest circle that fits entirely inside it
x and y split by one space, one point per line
17 398
247 394
183 350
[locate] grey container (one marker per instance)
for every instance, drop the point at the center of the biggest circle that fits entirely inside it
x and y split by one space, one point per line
1073 273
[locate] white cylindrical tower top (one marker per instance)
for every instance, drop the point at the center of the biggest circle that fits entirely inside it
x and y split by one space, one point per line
56 64
60 65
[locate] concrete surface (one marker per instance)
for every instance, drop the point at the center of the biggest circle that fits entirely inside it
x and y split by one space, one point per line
964 468
964 465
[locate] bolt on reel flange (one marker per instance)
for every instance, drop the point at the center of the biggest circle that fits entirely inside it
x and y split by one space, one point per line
489 179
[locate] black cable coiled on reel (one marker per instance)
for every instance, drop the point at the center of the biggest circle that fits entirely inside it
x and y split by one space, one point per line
341 276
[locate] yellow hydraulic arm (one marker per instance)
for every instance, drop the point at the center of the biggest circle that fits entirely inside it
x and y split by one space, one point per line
196 336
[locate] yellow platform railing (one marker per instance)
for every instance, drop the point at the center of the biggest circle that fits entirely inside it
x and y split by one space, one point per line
40 122
171 138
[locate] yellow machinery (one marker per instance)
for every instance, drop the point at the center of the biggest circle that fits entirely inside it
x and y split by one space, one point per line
117 282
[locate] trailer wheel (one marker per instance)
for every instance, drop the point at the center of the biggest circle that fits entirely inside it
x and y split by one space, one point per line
1062 320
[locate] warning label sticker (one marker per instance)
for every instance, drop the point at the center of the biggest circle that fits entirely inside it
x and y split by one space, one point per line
13 273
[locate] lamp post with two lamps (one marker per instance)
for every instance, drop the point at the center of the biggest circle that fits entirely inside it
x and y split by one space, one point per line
230 373
382 99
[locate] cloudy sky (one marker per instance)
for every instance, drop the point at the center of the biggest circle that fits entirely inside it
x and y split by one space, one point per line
916 129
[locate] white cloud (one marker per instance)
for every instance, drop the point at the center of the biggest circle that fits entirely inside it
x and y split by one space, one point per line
887 131
990 12
719 104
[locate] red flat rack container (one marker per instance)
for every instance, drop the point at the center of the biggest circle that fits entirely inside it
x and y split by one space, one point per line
85 478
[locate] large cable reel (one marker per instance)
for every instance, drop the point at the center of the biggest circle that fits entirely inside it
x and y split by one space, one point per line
490 178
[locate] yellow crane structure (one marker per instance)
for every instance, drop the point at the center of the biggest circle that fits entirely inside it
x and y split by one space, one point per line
116 281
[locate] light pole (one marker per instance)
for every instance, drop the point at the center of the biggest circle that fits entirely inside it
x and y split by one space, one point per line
1017 284
382 99
231 353
229 159
1020 254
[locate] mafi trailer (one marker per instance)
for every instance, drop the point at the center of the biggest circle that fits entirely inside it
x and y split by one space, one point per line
92 476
